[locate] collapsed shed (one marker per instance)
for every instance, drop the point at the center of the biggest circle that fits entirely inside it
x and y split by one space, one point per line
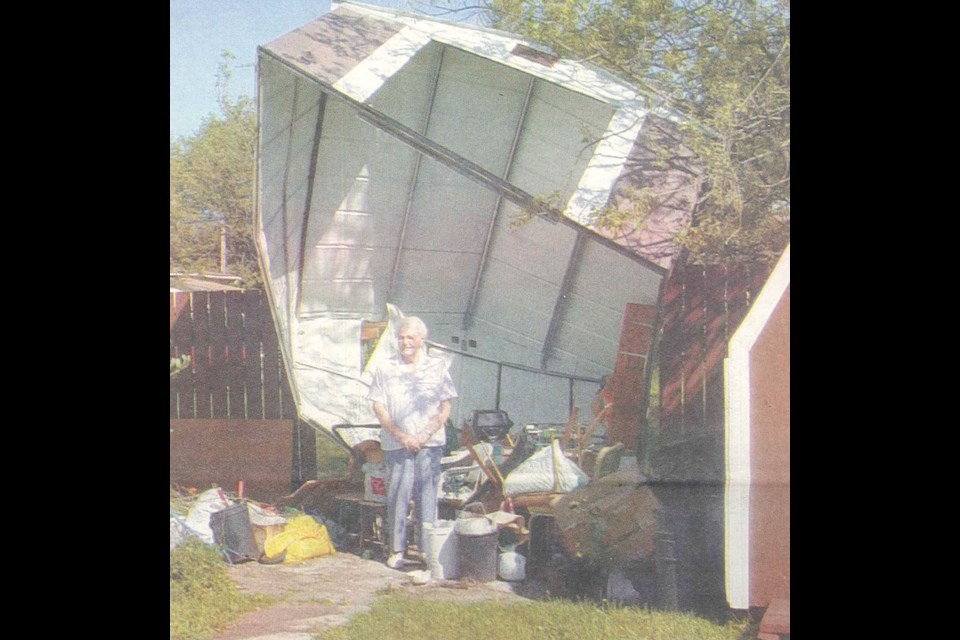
396 155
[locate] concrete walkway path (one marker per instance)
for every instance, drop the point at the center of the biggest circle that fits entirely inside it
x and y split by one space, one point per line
320 593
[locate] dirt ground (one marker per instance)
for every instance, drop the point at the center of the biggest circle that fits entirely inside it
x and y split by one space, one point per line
320 593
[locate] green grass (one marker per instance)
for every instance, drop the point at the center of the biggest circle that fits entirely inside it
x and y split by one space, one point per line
399 616
332 459
203 598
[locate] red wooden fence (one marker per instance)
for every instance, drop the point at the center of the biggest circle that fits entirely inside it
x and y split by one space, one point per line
234 397
235 369
703 306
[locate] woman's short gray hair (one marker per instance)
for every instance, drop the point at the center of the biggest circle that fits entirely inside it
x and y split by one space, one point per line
415 323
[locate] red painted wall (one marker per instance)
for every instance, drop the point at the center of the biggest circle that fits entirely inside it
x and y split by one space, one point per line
770 459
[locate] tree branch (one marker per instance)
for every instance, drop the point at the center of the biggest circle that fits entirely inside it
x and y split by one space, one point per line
766 73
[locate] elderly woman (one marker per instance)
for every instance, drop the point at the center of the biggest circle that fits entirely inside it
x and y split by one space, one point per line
411 395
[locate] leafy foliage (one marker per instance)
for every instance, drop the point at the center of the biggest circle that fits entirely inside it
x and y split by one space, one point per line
179 365
211 189
724 65
203 598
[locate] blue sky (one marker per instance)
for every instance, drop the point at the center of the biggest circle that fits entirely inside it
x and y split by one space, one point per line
201 29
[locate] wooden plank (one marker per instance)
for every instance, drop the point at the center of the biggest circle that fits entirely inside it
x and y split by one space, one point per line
693 298
205 453
235 361
715 290
692 336
776 619
288 408
218 348
181 343
253 310
201 350
179 302
715 401
305 467
271 368
737 296
671 353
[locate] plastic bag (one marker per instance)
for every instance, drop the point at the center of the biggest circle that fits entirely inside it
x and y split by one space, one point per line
178 532
261 516
302 538
546 471
206 504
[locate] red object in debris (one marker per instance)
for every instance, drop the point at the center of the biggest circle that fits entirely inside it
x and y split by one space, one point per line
240 489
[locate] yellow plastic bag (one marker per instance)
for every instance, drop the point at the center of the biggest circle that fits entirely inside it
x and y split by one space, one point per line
301 539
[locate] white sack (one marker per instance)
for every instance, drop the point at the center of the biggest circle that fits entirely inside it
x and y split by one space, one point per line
546 471
262 517
177 533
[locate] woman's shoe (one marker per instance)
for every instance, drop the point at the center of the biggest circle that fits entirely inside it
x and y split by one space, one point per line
395 560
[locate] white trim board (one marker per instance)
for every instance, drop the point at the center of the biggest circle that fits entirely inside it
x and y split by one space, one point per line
736 370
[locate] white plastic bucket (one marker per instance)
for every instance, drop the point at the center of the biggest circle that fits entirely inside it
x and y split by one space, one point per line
482 526
512 566
442 551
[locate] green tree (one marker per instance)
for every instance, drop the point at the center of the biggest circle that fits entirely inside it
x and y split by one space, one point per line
211 189
724 66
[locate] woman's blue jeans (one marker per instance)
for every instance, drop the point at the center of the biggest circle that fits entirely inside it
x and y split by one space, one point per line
415 476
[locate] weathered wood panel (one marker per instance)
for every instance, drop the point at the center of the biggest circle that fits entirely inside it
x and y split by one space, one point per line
631 369
218 362
703 306
236 370
202 358
234 360
236 373
221 452
272 370
253 310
